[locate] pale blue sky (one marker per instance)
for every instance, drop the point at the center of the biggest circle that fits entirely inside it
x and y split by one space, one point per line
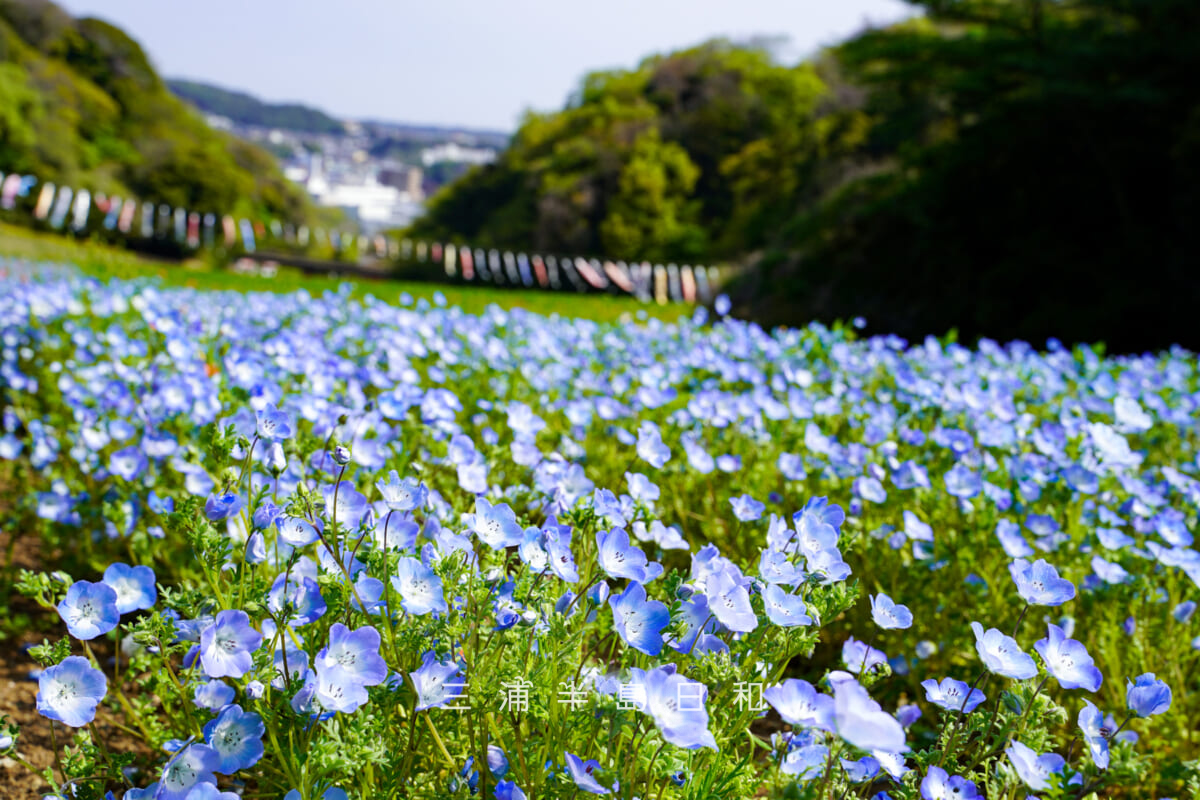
462 62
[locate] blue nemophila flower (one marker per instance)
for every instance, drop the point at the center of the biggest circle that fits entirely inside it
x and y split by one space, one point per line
908 715
206 791
1147 696
436 682
275 458
800 704
1108 571
1002 655
497 761
1095 735
1039 584
641 488
1068 661
496 526
804 759
785 610
580 772
910 475
608 507
1035 770
915 529
1183 612
746 508
273 424
89 609
698 458
70 691
650 447
356 652
256 548
187 769
345 504
940 785
776 567
861 721
338 690
699 625
213 695
236 736
227 645
134 587
420 589
296 531
962 482
638 621
128 463
951 695
508 790
621 559
729 600
301 593
1014 544
402 495
332 793
888 614
869 489
893 763
677 705
859 770
859 657
223 506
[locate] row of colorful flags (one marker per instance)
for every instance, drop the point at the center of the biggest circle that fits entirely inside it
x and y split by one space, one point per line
79 210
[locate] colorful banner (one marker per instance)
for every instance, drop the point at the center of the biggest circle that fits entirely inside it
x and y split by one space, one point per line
125 218
688 284
247 231
193 230
9 191
523 269
539 271
468 264
590 272
79 215
62 205
45 198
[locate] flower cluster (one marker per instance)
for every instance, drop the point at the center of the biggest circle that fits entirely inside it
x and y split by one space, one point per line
335 548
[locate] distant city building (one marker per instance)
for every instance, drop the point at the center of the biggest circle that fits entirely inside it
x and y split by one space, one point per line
457 154
375 205
379 173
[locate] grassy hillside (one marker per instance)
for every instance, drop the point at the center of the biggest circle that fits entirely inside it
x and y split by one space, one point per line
81 104
248 110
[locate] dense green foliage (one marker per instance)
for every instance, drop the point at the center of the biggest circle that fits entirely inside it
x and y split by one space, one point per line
248 110
80 104
1010 169
657 162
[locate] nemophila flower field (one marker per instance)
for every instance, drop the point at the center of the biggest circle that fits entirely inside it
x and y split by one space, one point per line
321 547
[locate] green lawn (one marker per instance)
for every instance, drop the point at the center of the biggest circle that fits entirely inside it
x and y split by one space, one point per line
110 262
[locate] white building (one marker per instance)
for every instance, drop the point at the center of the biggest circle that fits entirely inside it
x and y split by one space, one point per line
375 206
456 153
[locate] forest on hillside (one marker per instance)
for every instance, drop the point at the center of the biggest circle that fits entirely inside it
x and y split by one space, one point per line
249 110
1007 168
80 104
